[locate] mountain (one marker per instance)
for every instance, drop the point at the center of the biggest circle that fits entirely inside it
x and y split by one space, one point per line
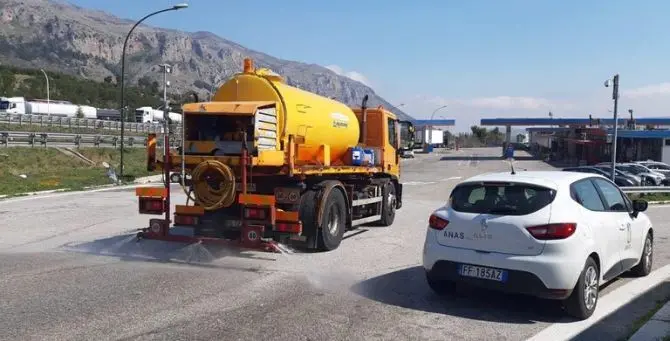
62 37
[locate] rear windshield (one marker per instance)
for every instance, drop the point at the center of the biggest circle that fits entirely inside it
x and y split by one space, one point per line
500 198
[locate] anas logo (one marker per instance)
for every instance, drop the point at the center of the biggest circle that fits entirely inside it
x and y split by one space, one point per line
454 235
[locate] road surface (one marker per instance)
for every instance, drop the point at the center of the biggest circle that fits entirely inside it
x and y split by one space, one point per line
70 269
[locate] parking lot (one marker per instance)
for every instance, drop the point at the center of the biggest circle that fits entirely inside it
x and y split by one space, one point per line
71 269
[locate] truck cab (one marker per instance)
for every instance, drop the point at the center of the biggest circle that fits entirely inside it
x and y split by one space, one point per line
12 105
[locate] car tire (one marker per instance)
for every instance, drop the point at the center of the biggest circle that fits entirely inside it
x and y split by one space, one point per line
643 268
440 287
584 298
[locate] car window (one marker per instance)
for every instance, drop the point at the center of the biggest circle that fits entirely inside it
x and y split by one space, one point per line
613 198
586 194
500 198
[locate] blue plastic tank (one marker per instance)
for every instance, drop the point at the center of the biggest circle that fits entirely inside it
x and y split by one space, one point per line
369 156
356 156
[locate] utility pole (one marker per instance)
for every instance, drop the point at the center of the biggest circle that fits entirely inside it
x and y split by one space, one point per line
48 100
166 135
615 97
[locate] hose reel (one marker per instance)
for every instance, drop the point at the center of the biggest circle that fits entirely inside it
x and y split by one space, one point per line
213 184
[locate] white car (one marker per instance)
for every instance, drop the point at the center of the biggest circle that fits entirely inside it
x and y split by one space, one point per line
551 234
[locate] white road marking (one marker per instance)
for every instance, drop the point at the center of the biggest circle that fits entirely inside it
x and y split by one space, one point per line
411 183
452 178
63 194
606 306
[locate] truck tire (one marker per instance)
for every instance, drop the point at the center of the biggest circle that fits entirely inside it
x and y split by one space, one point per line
333 223
388 204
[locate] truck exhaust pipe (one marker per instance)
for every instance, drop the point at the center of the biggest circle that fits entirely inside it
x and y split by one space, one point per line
364 113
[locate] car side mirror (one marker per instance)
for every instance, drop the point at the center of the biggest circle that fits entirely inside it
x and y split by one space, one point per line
639 206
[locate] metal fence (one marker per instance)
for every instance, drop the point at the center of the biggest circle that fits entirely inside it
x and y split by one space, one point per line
646 189
78 123
57 139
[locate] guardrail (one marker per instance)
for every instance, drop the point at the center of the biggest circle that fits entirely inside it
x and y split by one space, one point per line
645 189
58 139
79 123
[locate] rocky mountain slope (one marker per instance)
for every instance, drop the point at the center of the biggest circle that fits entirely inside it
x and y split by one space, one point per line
62 37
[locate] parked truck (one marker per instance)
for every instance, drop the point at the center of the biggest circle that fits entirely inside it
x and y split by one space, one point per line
19 105
267 164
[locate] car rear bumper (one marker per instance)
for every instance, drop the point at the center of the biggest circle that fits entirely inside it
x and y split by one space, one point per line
549 275
521 282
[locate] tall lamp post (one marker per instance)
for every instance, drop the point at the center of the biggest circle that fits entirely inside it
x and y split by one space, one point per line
48 100
615 96
431 122
123 71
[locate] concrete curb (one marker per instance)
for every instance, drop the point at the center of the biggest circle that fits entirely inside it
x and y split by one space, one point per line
657 328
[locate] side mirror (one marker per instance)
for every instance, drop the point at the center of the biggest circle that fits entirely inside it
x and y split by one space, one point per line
640 205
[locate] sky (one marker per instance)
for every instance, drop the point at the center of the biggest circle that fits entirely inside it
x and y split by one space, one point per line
480 58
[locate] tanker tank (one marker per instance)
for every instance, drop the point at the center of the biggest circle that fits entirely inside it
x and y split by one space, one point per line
322 121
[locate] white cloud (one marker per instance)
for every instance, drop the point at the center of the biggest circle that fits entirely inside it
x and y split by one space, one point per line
654 90
357 76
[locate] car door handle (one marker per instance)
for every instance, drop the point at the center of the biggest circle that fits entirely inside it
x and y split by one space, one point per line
622 226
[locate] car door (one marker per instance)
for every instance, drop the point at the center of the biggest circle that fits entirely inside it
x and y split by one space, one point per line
595 213
619 219
635 237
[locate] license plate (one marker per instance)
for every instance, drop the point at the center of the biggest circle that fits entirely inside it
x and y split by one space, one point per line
250 187
482 272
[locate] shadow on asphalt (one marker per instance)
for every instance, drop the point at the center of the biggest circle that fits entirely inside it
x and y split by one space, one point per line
620 324
407 288
128 248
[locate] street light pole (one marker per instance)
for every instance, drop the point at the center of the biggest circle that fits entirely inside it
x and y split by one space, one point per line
48 100
166 136
615 97
123 71
431 121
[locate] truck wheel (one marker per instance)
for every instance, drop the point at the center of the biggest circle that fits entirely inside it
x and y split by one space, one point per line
333 222
388 204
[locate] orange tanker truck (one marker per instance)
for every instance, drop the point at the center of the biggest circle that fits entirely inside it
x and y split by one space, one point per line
269 164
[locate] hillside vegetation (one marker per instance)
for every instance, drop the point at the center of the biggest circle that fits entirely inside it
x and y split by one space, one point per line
31 83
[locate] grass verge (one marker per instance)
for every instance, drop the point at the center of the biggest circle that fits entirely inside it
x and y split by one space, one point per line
650 196
644 319
49 169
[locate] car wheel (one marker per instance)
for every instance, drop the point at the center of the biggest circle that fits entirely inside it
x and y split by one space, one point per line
584 298
643 268
440 287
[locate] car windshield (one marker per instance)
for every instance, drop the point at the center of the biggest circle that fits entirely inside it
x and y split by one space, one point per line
630 169
500 198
